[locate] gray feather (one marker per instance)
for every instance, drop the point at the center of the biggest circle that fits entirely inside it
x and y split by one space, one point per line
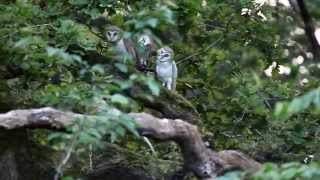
174 75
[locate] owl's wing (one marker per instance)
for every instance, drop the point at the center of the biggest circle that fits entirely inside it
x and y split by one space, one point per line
144 55
174 70
174 75
130 47
153 47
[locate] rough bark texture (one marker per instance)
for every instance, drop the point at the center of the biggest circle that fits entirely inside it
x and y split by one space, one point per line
8 166
23 159
37 118
168 105
205 163
199 159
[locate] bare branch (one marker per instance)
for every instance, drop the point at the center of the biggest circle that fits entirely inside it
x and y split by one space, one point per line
37 118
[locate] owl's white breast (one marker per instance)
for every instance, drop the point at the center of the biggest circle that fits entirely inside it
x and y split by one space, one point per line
164 70
120 47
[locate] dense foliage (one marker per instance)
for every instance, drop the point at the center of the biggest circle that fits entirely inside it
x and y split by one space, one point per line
53 54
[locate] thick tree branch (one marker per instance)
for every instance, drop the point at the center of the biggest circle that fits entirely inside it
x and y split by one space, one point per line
309 28
169 105
37 118
205 163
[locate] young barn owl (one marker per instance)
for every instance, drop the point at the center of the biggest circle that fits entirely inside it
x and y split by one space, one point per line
123 46
166 68
147 47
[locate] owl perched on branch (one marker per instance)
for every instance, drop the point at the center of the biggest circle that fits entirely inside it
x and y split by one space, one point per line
147 47
123 46
166 68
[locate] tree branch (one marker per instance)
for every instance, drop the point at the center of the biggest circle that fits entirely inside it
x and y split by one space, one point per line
204 162
200 51
309 29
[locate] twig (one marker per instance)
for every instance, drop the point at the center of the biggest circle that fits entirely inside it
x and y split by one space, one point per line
200 51
150 146
90 157
65 159
267 104
226 27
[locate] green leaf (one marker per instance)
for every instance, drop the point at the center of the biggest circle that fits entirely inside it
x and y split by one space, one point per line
118 98
129 124
120 131
122 67
94 13
289 173
316 99
67 178
154 87
53 136
104 3
22 43
295 106
153 22
95 134
281 110
236 175
51 51
63 57
98 68
85 138
25 65
78 2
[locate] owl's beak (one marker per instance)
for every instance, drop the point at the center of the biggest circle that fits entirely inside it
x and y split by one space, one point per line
165 56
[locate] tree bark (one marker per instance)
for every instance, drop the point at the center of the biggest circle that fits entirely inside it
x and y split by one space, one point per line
204 162
8 167
168 105
309 29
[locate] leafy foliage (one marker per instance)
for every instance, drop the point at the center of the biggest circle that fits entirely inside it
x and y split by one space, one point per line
52 54
275 172
299 104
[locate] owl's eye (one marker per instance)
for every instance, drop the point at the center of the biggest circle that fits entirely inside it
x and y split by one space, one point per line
166 55
109 33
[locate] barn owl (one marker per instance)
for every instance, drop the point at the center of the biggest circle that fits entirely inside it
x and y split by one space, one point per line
146 48
123 46
166 68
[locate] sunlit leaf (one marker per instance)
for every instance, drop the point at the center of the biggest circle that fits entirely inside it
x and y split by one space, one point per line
78 2
118 98
153 86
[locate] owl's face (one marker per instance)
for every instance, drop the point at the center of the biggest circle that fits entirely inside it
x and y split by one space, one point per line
165 54
144 40
113 35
